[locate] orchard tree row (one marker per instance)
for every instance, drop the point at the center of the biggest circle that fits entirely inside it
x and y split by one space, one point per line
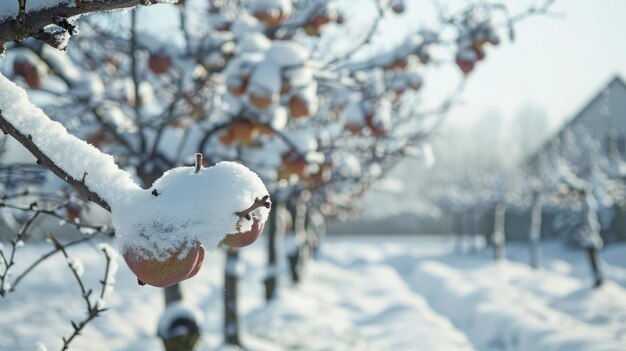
184 144
573 188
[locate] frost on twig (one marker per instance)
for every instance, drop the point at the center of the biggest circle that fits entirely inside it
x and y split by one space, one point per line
19 22
93 308
72 158
262 202
37 209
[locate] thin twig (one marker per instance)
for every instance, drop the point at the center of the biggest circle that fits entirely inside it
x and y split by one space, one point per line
92 310
262 202
43 258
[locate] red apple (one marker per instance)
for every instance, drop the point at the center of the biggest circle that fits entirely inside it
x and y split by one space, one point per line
465 65
29 72
270 17
294 164
176 268
159 63
243 239
238 87
261 101
298 107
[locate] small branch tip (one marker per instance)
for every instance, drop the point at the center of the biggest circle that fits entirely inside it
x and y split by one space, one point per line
198 162
262 202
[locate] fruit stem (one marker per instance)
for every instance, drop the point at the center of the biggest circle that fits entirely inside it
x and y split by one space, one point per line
262 202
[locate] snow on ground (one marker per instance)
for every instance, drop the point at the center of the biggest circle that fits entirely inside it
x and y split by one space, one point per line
378 293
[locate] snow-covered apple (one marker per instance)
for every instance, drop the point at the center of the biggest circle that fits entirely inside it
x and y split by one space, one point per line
242 239
298 107
159 62
163 231
183 263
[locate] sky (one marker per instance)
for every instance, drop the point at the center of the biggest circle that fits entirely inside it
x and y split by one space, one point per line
556 64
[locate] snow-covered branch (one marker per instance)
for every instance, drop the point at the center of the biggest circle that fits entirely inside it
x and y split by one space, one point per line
71 159
50 20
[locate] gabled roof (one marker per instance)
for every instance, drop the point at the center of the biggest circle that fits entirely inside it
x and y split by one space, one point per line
615 81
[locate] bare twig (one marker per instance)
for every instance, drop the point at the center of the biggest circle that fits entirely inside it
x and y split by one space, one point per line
93 310
15 244
45 257
262 202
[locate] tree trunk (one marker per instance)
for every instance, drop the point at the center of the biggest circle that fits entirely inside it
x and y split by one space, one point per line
594 261
534 235
316 228
231 317
475 231
271 279
591 235
499 235
173 293
458 232
173 339
297 256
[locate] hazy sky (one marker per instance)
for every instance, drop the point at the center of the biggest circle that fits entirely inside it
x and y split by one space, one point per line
555 64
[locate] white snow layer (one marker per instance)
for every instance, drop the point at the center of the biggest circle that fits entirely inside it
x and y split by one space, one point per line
71 154
362 294
190 206
174 311
10 8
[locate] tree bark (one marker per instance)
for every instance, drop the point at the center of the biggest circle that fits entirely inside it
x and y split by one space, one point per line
458 229
34 21
534 235
231 316
593 240
594 261
499 234
271 279
297 257
178 341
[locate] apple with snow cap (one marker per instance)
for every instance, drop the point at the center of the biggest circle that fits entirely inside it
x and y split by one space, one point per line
183 263
159 62
245 238
163 231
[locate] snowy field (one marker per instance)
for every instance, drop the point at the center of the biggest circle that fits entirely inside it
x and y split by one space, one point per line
379 293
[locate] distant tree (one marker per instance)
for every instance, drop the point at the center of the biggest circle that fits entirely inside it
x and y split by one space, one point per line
245 82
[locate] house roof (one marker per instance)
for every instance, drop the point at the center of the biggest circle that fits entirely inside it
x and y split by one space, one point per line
615 81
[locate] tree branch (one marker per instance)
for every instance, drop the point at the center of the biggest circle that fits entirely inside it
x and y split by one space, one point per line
33 22
262 202
43 159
